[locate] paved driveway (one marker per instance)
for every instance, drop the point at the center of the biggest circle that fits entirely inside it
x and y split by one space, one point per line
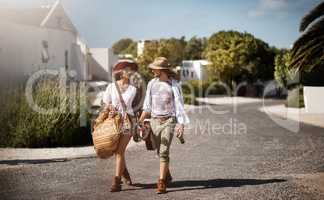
235 155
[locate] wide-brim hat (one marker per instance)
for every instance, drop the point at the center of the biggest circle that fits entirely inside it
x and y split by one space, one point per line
160 63
122 64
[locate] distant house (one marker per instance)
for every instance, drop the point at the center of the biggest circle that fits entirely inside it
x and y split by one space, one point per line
141 44
193 70
40 38
141 47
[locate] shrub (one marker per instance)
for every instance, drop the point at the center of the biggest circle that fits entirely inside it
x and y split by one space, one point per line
201 88
190 99
21 126
295 98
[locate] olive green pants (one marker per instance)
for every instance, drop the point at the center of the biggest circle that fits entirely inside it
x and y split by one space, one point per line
163 133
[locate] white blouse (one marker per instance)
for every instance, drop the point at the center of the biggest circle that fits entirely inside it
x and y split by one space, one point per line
111 96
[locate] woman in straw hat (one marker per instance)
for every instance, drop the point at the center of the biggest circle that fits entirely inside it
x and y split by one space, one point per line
122 72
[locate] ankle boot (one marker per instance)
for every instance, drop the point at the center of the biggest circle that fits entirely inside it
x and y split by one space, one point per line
126 177
161 187
116 184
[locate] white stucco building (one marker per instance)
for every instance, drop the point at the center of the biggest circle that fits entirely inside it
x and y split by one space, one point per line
193 70
101 62
39 38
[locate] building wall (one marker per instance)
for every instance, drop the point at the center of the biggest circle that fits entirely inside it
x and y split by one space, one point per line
22 48
193 70
101 63
140 47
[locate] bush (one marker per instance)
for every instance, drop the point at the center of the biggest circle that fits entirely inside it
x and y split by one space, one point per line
190 99
21 126
295 98
201 88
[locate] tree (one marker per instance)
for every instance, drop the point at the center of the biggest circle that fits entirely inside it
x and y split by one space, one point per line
282 73
131 49
307 51
172 49
194 48
125 46
236 56
148 56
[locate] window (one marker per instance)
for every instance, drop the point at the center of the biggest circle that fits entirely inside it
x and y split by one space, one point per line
66 54
186 64
45 54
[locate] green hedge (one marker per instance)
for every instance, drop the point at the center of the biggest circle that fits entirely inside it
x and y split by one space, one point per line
21 126
295 98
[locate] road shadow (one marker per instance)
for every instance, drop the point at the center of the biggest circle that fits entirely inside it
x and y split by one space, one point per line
31 162
211 183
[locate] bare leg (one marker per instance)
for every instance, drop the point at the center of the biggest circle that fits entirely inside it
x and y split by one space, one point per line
164 168
120 154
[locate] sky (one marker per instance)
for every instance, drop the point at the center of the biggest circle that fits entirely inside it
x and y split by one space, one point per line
103 22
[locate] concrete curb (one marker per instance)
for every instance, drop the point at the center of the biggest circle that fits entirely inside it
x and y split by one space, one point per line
16 154
295 114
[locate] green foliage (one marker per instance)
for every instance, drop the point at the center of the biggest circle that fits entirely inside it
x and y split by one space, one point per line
125 46
149 54
307 51
195 48
282 73
21 126
190 99
172 48
236 56
202 88
295 98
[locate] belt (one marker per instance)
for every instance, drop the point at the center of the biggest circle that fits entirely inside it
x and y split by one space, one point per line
162 119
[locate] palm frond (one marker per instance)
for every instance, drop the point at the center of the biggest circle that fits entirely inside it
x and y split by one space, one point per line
308 59
306 45
314 31
314 14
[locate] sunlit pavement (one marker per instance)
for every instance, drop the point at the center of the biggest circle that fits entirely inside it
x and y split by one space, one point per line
231 152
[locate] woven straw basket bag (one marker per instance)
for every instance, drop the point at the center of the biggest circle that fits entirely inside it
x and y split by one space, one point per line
106 135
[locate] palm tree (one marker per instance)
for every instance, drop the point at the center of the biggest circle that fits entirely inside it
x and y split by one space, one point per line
308 51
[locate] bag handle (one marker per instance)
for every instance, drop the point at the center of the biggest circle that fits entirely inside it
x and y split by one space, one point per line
122 102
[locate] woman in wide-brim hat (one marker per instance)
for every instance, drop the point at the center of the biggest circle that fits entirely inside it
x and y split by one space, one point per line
122 72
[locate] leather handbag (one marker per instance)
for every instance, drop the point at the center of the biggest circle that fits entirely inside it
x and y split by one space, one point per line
147 135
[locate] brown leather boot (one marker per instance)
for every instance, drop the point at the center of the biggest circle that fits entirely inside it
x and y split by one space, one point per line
161 187
116 184
126 177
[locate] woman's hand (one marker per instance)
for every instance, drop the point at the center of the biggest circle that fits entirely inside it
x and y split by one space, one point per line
112 110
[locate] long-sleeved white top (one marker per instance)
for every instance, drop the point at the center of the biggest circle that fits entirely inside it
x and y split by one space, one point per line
180 113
